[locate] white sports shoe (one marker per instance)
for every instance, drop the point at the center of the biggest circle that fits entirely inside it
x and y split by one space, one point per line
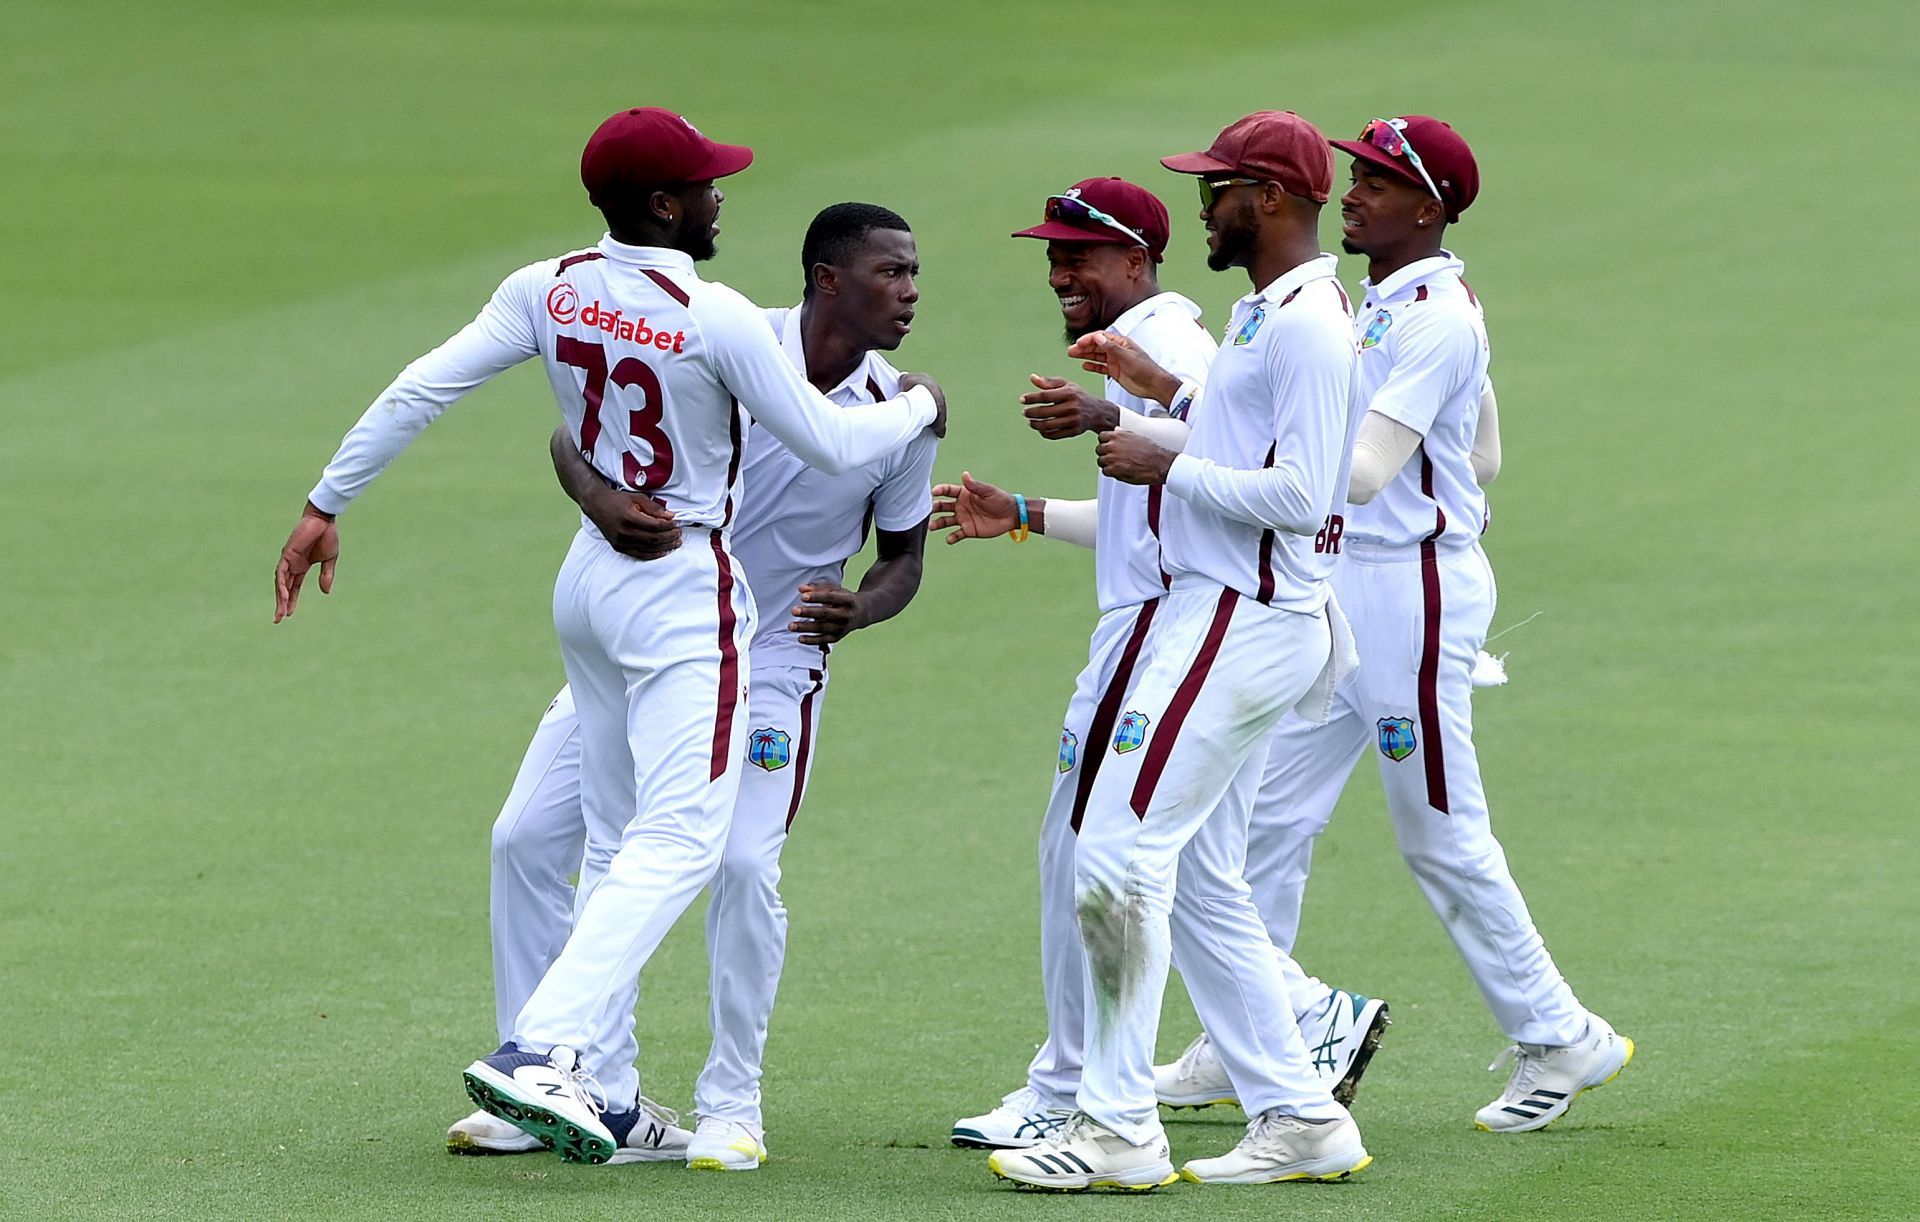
1086 1154
1279 1147
1546 1081
484 1133
653 1134
549 1096
726 1145
1018 1121
1197 1079
1342 1036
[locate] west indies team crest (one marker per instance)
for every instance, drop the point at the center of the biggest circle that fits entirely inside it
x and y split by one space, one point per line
1376 330
1069 750
769 749
1130 733
1396 738
1249 328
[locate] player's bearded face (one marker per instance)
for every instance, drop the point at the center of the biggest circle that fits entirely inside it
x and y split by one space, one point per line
1231 229
699 220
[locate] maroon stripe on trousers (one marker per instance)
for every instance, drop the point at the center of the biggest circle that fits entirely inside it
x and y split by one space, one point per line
1108 711
667 286
1182 703
804 747
1430 733
729 696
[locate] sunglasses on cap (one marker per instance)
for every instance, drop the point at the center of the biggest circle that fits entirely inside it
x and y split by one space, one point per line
1210 188
1074 210
1384 135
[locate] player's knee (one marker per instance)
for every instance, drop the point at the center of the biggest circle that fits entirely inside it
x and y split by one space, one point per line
748 873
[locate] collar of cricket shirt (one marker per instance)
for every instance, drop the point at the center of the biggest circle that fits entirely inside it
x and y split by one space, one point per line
1416 272
663 257
1144 310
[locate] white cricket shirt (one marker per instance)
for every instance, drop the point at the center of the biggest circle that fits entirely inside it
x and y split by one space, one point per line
1423 363
1127 566
650 366
1251 498
798 524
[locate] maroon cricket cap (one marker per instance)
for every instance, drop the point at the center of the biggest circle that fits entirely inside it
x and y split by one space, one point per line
648 147
1448 160
1133 206
1272 146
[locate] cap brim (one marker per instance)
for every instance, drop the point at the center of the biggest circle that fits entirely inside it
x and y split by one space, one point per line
1196 163
727 159
1363 151
1061 231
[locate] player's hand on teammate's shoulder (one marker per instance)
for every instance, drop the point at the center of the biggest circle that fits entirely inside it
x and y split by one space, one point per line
1059 409
315 540
633 523
910 380
971 509
826 612
1117 357
1132 459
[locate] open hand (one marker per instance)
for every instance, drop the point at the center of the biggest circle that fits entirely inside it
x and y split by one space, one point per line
972 510
315 540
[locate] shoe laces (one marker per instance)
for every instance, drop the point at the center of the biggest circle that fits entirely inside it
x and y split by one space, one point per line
660 1111
585 1087
1270 1130
1078 1126
1527 1065
710 1125
1198 1053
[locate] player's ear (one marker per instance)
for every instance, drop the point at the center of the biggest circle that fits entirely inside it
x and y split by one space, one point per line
823 278
663 207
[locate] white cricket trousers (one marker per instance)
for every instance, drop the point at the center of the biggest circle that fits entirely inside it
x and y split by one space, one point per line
1215 673
538 843
1419 617
655 655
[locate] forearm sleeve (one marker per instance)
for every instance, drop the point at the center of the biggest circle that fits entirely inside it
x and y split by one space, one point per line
1075 522
1163 431
1486 440
1381 450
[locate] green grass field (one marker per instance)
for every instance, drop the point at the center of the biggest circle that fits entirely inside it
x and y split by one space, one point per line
243 949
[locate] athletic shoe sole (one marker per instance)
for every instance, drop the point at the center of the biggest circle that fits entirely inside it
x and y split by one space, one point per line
715 1164
1316 1174
1565 1104
1196 1102
467 1143
1093 1182
1349 1085
495 1093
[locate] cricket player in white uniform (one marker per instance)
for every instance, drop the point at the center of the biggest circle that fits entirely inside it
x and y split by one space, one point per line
796 531
652 368
1104 236
1421 594
1247 631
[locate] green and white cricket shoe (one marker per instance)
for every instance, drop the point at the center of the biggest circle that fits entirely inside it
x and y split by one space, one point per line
1017 1122
1086 1154
485 1133
1197 1079
1546 1081
726 1145
1278 1148
1341 1036
549 1096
